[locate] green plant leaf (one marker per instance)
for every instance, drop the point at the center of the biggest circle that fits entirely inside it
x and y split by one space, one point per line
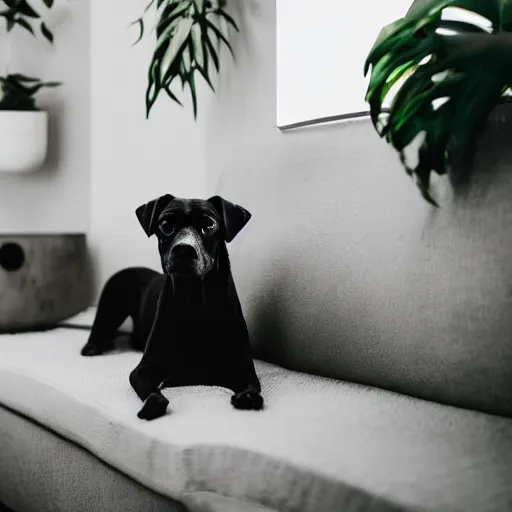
171 95
220 35
148 6
193 93
227 17
494 10
170 14
168 27
51 84
186 57
212 52
183 74
197 45
25 24
34 89
16 95
21 7
177 42
199 5
469 70
184 47
401 35
167 13
23 78
23 13
153 87
140 23
204 74
206 59
46 32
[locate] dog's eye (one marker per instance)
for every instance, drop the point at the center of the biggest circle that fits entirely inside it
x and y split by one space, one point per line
166 228
207 226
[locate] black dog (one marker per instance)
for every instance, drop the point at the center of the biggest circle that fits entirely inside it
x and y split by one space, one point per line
188 321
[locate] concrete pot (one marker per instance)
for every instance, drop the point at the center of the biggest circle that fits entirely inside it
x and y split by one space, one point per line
44 279
23 140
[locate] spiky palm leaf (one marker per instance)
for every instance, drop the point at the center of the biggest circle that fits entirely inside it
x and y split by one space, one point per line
189 34
458 72
25 13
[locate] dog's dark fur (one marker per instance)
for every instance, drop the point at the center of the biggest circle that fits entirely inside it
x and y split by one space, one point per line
188 321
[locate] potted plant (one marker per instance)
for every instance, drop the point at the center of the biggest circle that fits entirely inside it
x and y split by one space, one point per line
23 127
451 61
189 37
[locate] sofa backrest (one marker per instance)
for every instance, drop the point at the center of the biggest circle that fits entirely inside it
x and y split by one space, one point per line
346 272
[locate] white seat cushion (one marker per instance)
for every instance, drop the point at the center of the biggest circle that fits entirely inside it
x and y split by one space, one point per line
319 445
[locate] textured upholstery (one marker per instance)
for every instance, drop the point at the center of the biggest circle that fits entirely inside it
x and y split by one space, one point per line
319 446
344 271
43 472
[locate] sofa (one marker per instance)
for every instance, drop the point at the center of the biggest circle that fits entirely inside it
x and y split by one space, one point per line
382 334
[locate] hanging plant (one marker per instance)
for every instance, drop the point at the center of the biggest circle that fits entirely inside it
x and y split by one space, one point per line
21 13
17 91
189 38
454 71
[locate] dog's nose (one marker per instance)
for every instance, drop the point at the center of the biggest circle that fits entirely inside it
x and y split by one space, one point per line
184 251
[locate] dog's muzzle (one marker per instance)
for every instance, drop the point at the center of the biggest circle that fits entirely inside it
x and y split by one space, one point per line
184 252
187 255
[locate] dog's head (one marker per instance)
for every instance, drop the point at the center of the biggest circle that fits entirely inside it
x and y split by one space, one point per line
190 231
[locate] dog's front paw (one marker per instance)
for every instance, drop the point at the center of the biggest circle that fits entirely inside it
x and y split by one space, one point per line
90 349
248 400
154 407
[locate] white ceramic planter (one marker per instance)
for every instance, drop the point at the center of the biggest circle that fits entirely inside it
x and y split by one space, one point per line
23 140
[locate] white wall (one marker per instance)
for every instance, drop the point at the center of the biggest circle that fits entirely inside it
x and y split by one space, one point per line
321 50
133 159
55 199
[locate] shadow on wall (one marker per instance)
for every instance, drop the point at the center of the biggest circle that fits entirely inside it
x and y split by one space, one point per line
267 322
244 13
55 138
490 151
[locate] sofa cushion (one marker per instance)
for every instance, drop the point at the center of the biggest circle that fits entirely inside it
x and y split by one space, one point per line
320 445
43 472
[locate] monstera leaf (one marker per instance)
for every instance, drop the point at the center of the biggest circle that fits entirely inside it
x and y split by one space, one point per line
453 71
189 34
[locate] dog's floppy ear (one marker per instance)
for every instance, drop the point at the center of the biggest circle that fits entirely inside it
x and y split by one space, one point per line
232 216
148 213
